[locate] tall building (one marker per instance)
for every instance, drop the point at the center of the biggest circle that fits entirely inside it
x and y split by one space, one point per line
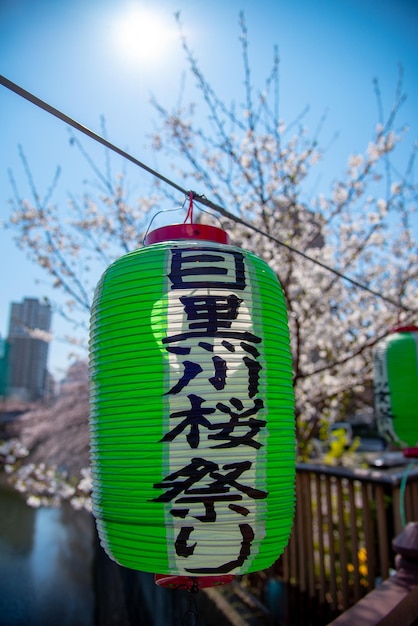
4 362
29 326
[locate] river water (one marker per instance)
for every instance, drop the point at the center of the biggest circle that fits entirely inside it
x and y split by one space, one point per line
46 558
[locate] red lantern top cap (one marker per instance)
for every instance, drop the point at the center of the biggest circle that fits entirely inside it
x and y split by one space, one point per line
175 232
405 329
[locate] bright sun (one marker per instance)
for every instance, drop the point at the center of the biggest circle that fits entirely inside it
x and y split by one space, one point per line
143 35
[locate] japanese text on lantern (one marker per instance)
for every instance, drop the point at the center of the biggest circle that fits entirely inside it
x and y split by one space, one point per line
216 407
382 397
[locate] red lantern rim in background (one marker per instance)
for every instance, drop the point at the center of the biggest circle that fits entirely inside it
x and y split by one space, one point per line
190 582
410 453
175 232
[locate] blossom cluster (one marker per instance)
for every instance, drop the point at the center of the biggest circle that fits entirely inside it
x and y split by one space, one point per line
42 484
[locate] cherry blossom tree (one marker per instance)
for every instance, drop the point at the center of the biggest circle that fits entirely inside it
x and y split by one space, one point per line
361 227
91 232
47 458
254 167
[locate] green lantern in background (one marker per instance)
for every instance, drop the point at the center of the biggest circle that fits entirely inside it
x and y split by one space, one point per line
396 386
192 409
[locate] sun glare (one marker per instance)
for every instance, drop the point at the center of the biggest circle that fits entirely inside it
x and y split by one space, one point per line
143 35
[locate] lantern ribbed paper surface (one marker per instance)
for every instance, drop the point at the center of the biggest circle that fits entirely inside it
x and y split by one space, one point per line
396 386
192 411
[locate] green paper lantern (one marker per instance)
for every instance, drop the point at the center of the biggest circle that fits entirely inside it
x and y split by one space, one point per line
396 386
192 408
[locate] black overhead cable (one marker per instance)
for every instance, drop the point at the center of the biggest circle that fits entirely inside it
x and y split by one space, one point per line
198 198
83 129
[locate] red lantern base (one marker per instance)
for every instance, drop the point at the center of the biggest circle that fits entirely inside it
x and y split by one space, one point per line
191 582
410 453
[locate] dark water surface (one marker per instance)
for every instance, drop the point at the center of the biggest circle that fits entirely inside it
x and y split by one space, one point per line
45 564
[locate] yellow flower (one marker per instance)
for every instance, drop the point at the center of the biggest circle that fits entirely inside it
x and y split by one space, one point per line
363 570
362 555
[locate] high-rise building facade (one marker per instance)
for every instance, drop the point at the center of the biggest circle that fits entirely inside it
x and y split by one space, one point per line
4 363
29 326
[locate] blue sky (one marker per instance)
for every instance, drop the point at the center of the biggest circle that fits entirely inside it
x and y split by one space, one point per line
68 53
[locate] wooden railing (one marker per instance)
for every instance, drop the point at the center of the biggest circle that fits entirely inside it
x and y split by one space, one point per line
341 544
339 550
395 601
